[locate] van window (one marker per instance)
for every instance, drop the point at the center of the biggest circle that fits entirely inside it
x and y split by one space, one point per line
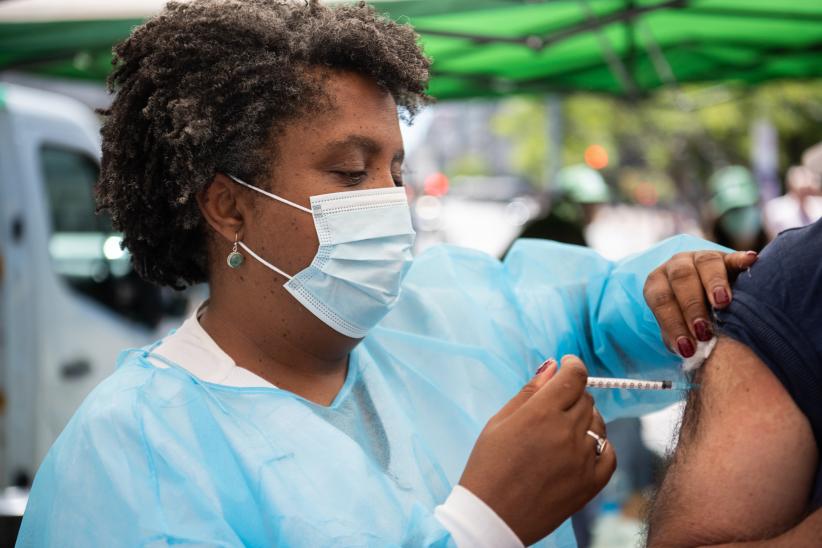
70 178
84 249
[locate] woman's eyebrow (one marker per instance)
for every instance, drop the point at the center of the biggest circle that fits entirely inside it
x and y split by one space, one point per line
357 142
360 143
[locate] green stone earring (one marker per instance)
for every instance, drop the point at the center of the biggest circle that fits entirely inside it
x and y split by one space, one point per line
235 258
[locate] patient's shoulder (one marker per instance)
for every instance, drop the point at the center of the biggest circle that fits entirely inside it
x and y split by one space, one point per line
789 270
776 313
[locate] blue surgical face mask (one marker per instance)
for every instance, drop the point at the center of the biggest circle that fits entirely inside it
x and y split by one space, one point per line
365 251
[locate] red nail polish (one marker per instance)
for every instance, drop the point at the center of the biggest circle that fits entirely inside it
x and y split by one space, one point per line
685 346
721 296
703 330
544 366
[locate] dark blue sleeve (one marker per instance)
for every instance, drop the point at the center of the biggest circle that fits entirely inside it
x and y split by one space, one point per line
777 313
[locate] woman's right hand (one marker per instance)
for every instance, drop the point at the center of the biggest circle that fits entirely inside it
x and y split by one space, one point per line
534 464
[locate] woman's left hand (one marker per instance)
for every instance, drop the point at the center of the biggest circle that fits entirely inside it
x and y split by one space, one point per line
679 291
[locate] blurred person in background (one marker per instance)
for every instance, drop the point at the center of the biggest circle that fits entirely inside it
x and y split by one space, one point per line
812 159
586 191
801 205
735 206
583 212
578 198
334 390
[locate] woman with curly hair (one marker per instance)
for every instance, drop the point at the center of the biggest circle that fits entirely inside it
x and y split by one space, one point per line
332 391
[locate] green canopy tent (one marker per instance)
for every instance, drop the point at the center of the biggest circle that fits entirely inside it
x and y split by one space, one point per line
623 47
496 47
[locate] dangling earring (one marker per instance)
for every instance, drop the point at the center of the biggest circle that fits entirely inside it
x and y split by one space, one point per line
235 258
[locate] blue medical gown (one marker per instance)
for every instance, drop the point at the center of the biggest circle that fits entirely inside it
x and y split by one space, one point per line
156 457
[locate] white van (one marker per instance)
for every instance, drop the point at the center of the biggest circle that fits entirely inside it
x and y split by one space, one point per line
69 300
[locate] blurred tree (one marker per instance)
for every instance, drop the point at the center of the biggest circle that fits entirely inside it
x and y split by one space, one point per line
681 135
468 164
522 121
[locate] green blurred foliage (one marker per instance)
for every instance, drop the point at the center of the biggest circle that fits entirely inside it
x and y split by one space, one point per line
468 164
522 120
674 137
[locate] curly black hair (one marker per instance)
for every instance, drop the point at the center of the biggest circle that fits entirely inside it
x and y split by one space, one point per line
204 87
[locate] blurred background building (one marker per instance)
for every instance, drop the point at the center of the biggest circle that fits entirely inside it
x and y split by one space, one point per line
607 123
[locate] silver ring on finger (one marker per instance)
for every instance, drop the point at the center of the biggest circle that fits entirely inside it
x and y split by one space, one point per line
602 443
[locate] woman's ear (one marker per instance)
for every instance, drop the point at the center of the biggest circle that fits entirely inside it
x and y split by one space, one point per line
225 206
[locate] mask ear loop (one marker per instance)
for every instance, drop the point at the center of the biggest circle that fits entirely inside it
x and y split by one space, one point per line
275 197
270 195
263 261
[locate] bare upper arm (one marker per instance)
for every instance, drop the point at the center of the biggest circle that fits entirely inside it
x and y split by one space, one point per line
745 462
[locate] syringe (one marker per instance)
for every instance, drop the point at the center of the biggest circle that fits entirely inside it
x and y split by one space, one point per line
636 384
